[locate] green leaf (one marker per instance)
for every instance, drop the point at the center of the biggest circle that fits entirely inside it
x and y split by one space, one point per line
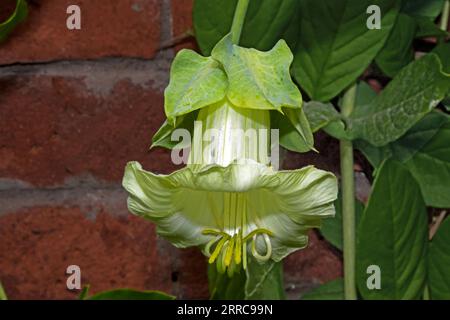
398 51
19 14
294 131
423 8
258 80
129 294
430 165
264 281
425 151
443 52
320 114
439 262
222 287
428 28
266 22
333 290
162 137
415 91
332 227
2 293
195 82
393 234
335 44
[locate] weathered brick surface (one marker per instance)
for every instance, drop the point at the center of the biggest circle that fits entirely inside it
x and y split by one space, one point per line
54 127
108 28
37 245
182 23
312 266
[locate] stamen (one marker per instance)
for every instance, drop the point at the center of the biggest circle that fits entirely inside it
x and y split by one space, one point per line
268 248
218 248
229 252
238 248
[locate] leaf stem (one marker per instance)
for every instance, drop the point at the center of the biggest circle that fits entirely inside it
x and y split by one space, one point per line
238 20
348 201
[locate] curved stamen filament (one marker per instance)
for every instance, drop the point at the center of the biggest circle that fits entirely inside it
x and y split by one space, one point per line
268 244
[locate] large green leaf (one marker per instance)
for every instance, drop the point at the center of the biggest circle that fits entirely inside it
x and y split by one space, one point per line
258 80
266 22
333 290
397 51
430 165
425 151
195 82
222 287
126 294
415 91
335 44
393 235
264 281
439 263
332 227
19 14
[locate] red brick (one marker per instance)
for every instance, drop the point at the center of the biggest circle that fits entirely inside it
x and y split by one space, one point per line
316 264
37 245
53 128
117 28
182 23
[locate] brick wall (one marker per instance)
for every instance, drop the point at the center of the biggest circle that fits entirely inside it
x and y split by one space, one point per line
75 106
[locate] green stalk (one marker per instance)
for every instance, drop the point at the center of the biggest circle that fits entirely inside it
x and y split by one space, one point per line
238 20
444 18
348 201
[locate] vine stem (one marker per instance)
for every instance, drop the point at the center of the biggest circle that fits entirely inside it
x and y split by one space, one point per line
348 200
238 20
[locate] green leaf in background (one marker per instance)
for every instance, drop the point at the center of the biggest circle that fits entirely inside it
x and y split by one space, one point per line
258 80
266 22
332 228
430 165
414 92
333 290
320 114
335 44
423 8
425 151
428 28
443 52
439 262
195 82
2 293
334 125
264 281
222 287
398 51
126 294
20 13
393 235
